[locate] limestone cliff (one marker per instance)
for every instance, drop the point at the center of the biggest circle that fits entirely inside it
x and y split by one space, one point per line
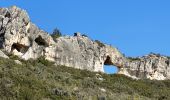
19 36
152 66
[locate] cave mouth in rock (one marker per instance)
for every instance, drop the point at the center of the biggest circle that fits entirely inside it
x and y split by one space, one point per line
20 47
108 61
109 67
40 41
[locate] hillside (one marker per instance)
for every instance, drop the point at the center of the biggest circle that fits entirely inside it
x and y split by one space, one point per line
42 80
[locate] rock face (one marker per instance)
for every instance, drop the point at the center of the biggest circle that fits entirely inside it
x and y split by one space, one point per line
152 66
22 38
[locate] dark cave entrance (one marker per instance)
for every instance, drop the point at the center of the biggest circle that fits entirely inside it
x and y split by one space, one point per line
40 41
20 47
108 61
109 67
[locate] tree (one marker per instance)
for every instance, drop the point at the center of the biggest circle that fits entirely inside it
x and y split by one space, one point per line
56 33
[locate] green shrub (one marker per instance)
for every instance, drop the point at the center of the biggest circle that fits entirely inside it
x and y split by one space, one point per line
43 61
13 57
168 57
84 35
100 43
56 33
133 58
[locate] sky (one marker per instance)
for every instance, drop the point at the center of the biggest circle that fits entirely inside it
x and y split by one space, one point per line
135 27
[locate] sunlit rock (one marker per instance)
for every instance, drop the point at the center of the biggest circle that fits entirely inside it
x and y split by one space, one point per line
19 36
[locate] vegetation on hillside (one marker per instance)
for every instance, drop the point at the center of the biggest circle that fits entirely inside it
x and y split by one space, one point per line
42 80
133 58
56 33
100 43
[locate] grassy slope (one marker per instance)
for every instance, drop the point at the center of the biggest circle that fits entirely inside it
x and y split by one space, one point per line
42 80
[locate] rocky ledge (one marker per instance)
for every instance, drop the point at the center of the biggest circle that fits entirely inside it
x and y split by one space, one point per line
19 36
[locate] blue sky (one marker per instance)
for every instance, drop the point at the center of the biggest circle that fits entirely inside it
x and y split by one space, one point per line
135 27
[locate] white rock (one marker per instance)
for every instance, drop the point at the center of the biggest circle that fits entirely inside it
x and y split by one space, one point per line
23 38
18 62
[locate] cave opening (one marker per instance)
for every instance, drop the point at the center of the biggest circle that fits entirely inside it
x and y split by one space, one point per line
19 47
8 14
108 61
40 41
109 67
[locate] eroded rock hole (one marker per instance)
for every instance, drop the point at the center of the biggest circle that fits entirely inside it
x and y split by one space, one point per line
108 61
7 14
40 41
19 47
109 67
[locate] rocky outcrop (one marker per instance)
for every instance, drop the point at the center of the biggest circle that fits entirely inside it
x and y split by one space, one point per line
152 66
21 37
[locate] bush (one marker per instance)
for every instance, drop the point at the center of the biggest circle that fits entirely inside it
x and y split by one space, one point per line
168 57
13 57
56 33
99 43
43 61
133 58
84 35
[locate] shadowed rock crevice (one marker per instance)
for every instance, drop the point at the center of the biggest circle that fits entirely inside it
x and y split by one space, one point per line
108 61
108 64
19 47
8 14
40 41
2 33
2 39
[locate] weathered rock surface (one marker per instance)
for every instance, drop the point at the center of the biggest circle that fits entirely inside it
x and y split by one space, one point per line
22 38
152 66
